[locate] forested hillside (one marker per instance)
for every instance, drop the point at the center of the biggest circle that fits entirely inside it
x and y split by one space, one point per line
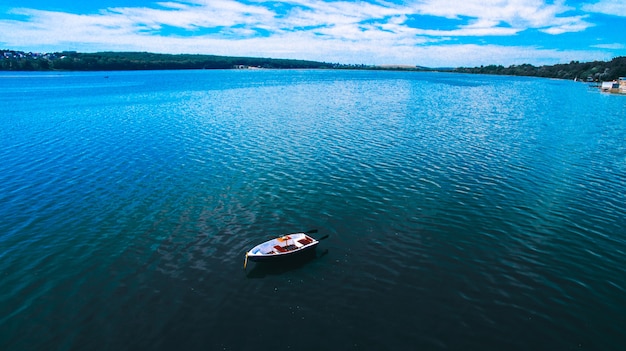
593 71
11 60
113 61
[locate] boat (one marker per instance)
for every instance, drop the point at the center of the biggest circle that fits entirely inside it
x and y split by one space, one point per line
283 247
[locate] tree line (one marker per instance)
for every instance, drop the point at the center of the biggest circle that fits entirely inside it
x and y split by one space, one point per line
11 60
589 71
124 61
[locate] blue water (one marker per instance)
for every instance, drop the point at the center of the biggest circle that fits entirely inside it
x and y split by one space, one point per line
465 212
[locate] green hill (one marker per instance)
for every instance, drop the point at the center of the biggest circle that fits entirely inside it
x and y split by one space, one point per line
11 60
113 61
592 71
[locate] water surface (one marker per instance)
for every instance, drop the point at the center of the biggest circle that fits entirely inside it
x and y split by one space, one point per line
464 211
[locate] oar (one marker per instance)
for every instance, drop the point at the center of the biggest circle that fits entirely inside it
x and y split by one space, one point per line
245 262
313 231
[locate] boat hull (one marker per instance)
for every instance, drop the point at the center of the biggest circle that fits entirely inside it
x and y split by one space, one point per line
287 256
287 247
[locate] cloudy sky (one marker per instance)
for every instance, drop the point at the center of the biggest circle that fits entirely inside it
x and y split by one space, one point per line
433 33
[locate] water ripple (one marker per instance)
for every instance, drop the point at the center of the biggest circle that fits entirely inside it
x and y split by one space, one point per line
464 211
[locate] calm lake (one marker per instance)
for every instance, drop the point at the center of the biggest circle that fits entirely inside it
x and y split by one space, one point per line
465 212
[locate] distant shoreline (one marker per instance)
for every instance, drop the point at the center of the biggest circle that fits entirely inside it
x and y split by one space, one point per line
12 60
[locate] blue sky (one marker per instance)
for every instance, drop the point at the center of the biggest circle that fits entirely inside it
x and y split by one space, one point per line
433 33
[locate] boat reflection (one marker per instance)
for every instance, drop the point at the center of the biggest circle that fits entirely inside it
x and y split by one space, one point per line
263 269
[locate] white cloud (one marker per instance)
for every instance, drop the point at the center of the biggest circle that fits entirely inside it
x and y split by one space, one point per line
504 17
567 25
608 7
470 55
488 17
334 31
218 13
614 46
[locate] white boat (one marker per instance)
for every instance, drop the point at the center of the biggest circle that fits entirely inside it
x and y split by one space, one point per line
283 247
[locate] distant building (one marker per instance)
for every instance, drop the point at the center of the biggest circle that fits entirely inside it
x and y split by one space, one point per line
610 87
622 84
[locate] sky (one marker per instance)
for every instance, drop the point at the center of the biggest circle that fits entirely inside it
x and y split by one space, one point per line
431 33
